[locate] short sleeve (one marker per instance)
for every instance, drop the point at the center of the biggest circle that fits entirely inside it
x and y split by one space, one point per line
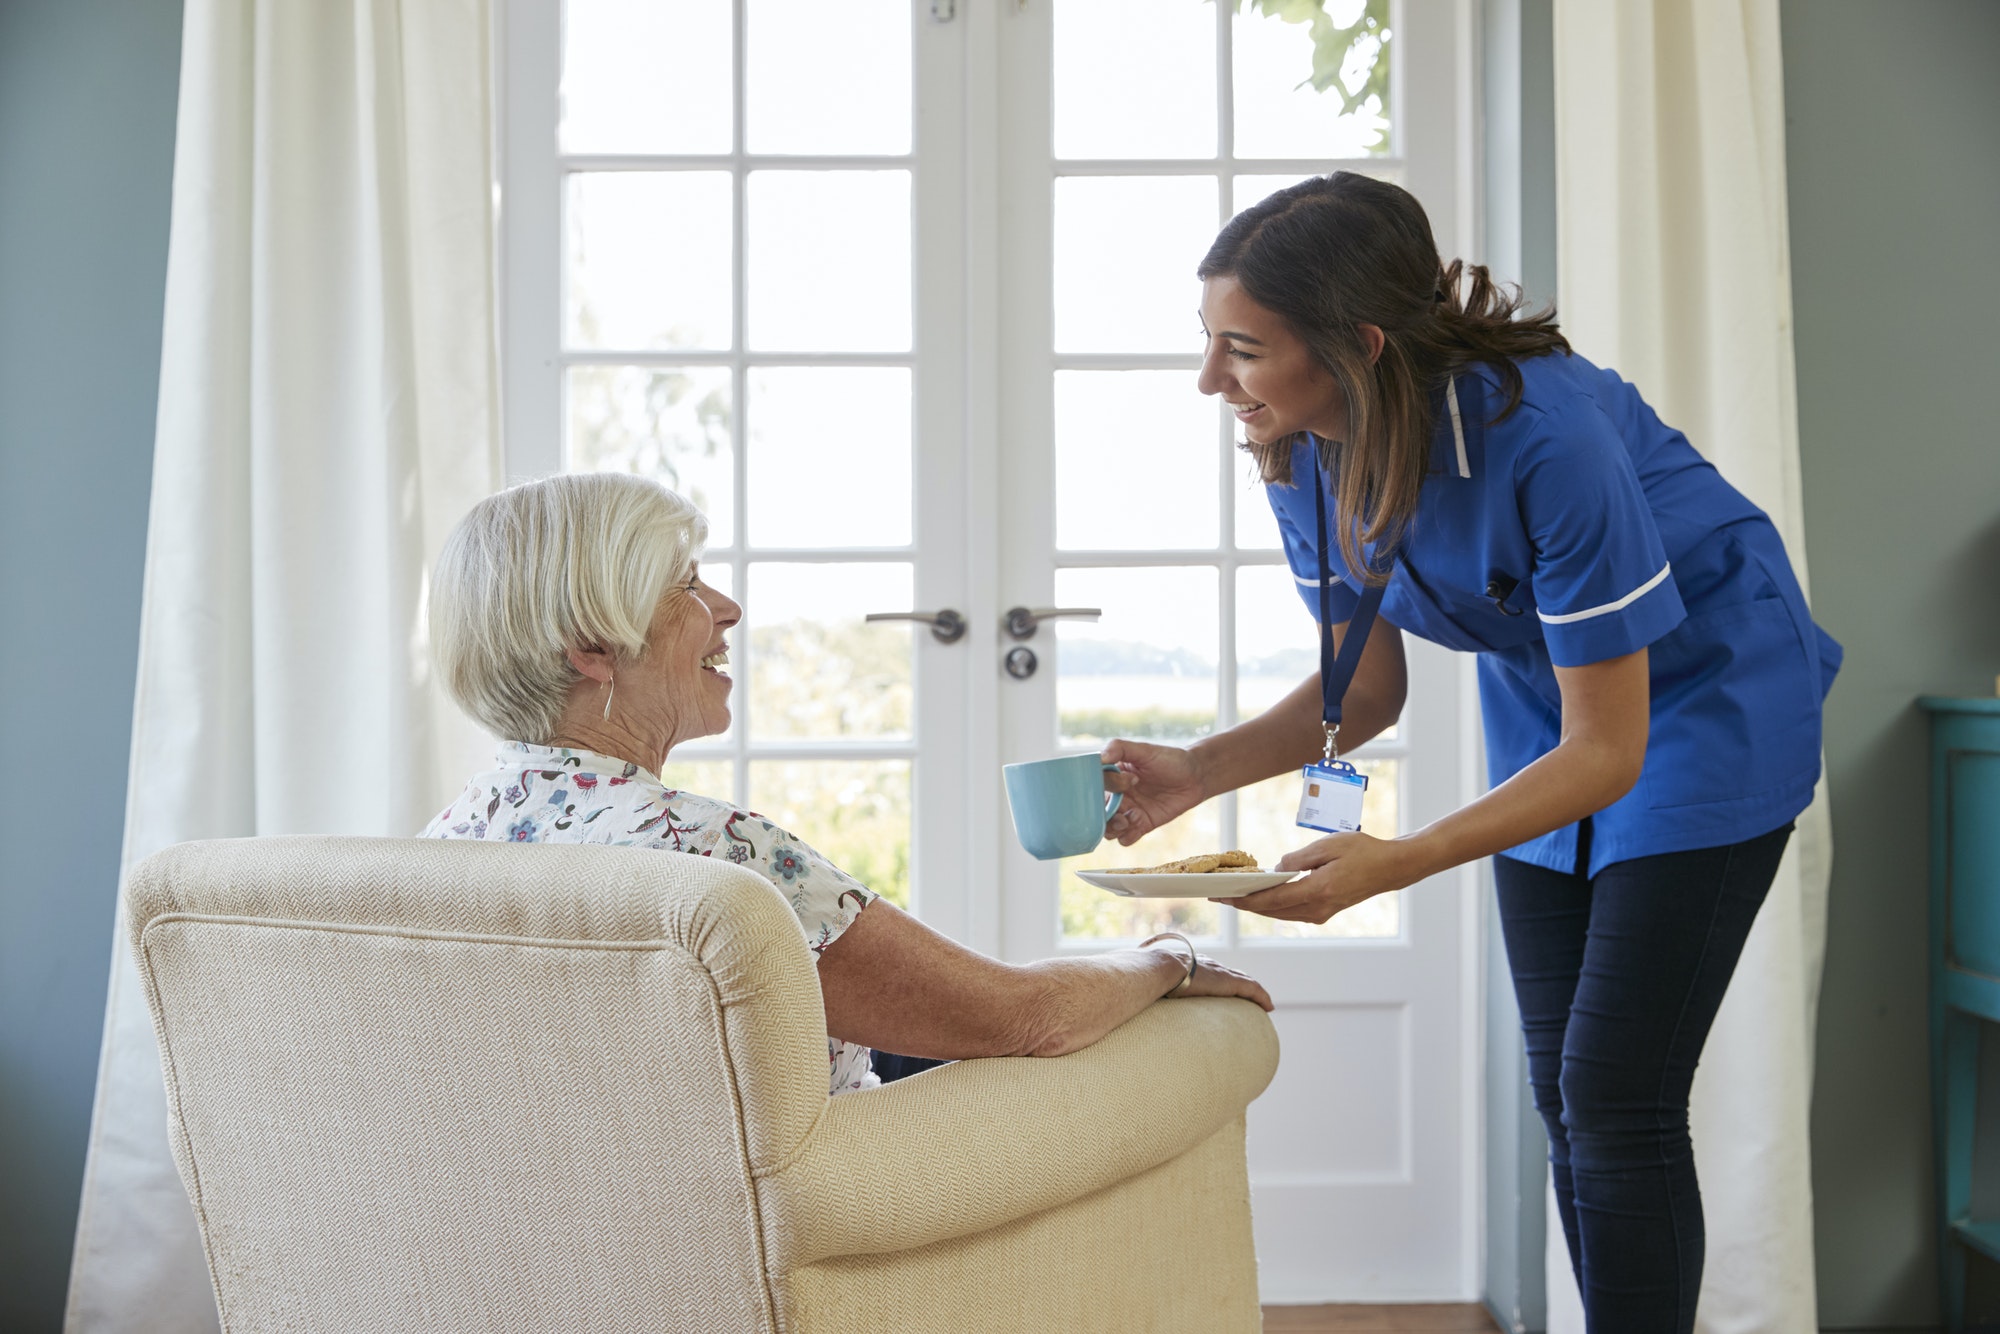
1603 586
826 898
1302 551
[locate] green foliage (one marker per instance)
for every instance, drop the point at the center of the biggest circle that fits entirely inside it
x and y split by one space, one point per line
1099 725
822 679
650 422
856 813
833 679
1350 61
1089 913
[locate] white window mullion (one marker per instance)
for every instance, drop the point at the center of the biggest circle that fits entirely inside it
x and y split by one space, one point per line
531 241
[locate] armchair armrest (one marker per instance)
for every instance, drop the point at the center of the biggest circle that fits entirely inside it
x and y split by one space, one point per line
973 1145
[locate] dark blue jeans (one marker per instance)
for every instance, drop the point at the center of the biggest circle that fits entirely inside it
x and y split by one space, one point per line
890 1067
1619 978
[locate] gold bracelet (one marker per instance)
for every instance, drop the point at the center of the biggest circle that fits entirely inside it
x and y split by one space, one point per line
1193 962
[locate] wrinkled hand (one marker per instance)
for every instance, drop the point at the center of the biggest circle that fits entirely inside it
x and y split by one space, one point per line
1159 783
1215 979
1345 870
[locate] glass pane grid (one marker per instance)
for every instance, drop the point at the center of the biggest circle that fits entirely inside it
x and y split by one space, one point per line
694 401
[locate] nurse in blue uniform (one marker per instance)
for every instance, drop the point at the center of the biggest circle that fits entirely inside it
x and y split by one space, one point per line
1650 678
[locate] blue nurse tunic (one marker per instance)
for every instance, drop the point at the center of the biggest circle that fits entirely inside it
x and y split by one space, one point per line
1583 528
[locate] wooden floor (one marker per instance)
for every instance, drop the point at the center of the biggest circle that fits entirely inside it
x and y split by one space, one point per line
1429 1319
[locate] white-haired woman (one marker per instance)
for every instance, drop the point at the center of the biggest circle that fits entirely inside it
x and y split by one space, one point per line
569 617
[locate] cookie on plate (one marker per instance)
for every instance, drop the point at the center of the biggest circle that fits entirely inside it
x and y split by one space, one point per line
1204 864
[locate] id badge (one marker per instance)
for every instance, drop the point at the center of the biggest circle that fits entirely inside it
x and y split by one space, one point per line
1332 799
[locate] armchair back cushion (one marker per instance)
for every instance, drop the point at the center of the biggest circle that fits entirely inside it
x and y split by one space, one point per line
302 985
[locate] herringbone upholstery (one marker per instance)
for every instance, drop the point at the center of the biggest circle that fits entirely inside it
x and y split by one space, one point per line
440 1085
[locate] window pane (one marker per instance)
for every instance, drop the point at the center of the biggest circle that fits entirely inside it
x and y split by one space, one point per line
1278 111
829 457
1135 461
1267 816
1276 643
1248 190
1256 526
855 813
708 778
1275 647
1126 248
1134 78
672 425
828 78
817 671
1091 913
649 256
646 76
1146 669
829 261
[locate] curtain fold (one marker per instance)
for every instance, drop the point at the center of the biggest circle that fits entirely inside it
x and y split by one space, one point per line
328 407
1674 268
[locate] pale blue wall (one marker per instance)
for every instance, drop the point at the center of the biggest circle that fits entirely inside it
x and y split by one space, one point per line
86 155
1893 155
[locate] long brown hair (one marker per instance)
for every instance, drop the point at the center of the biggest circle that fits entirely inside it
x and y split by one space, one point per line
1335 252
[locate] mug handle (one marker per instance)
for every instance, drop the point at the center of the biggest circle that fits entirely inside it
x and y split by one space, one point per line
1117 798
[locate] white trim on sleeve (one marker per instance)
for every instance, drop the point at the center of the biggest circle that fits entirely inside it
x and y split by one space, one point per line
1621 604
1457 426
1331 580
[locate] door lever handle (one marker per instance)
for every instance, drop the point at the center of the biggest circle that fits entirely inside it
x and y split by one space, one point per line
1020 622
947 626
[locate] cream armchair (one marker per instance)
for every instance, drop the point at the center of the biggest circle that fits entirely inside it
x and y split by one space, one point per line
420 1085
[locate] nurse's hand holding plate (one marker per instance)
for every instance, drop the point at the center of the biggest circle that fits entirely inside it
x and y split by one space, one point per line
1345 870
1160 783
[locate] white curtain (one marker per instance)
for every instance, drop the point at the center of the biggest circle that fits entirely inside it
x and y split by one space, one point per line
328 408
1674 268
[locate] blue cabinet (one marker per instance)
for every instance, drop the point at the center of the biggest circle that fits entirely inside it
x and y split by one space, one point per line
1965 966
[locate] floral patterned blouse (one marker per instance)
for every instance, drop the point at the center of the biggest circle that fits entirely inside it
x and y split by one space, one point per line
542 794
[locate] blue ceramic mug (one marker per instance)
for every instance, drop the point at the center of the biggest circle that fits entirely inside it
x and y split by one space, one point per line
1060 806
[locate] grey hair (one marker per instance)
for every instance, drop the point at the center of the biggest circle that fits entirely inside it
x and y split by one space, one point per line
574 561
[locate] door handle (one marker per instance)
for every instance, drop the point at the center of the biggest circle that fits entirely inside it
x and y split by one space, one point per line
1020 622
947 626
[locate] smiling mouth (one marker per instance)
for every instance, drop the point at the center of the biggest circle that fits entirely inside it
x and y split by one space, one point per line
1246 410
719 658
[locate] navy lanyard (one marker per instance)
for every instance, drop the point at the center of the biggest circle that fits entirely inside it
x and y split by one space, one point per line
1336 672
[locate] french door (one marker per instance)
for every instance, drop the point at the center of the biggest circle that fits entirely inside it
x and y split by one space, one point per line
901 294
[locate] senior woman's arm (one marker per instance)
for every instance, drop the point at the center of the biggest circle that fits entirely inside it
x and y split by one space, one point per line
891 982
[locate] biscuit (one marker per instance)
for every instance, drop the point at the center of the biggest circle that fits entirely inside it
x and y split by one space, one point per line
1205 864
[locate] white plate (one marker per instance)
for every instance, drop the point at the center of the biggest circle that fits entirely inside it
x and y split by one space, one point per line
1213 885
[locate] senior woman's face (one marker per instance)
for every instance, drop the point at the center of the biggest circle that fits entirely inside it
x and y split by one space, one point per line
685 654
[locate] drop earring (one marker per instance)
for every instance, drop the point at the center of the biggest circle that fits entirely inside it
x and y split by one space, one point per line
610 694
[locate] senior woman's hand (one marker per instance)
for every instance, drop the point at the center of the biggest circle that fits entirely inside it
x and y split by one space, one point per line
1216 979
892 983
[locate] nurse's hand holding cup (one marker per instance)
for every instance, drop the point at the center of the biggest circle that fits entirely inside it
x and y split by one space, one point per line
1160 784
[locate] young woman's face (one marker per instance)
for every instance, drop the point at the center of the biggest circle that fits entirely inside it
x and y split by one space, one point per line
1264 371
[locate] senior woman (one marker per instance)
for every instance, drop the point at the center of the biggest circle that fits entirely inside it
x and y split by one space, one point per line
569 616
